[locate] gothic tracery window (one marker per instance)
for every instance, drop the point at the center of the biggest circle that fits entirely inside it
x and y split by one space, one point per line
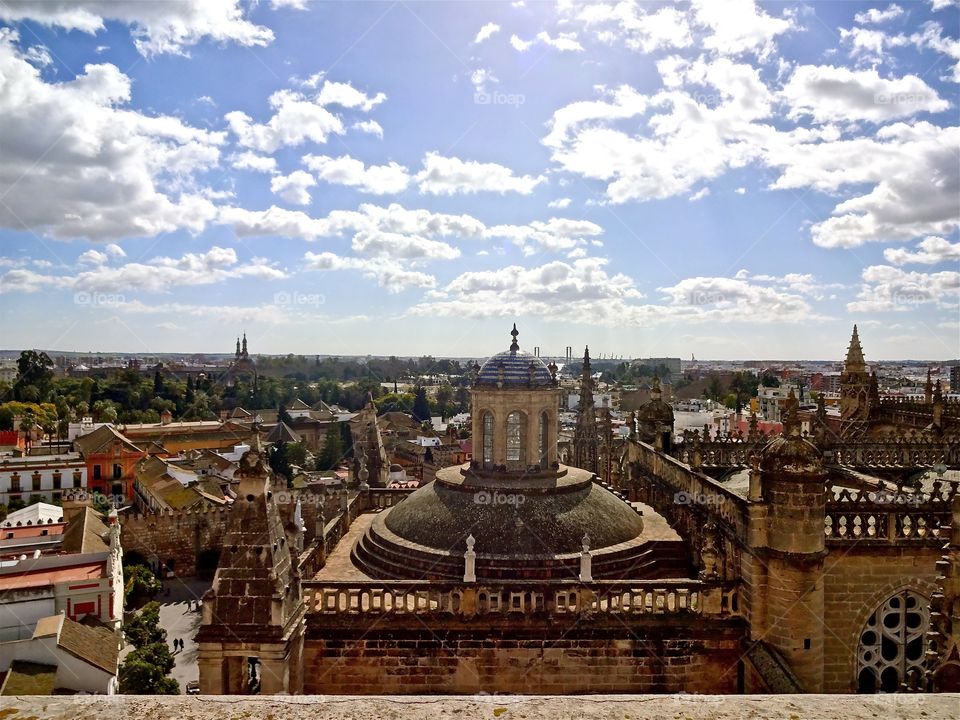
892 643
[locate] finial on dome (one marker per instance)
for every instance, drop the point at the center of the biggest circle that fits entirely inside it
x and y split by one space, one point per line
514 346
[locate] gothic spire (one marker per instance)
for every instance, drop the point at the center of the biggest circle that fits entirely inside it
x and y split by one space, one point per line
854 361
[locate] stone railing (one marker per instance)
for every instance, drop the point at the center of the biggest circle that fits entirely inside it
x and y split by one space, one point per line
399 597
673 488
382 498
895 452
869 521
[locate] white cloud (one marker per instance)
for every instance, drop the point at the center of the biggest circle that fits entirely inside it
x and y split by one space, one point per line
739 26
899 183
393 245
930 251
697 139
92 257
247 160
887 289
345 95
486 32
294 188
741 191
157 27
371 127
450 176
915 178
368 218
559 203
387 179
77 163
159 274
115 251
724 299
699 194
480 77
564 42
388 274
298 118
636 26
582 291
838 94
875 16
556 234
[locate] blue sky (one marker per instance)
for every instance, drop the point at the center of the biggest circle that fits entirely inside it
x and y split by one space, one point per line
730 180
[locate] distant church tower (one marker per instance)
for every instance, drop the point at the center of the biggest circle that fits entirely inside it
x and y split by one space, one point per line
586 452
856 389
251 634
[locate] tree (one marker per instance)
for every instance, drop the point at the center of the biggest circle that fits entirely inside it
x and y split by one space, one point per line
421 406
144 628
332 452
34 369
279 461
140 677
140 583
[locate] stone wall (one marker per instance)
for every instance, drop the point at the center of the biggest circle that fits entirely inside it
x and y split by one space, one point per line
576 656
856 581
180 537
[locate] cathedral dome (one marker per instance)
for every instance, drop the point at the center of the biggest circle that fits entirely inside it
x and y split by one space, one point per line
515 368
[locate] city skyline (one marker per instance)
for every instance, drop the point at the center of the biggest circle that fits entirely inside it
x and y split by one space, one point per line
410 179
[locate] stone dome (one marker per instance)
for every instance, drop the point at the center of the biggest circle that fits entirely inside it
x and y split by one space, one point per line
515 520
791 455
531 531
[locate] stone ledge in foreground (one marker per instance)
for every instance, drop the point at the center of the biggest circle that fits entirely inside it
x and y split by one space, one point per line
495 707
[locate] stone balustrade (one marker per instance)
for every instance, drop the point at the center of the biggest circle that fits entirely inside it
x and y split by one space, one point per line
653 597
843 524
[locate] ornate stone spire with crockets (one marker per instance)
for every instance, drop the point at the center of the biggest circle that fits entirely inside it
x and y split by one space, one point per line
585 444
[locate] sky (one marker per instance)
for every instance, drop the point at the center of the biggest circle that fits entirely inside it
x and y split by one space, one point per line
730 180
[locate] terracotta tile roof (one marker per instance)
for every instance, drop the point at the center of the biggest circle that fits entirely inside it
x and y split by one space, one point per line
100 648
85 533
101 439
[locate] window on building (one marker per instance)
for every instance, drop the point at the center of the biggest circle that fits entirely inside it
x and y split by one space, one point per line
893 643
487 437
97 472
117 471
516 437
544 442
57 478
15 483
77 478
35 478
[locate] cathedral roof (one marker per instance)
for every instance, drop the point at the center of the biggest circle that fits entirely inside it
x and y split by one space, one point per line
515 368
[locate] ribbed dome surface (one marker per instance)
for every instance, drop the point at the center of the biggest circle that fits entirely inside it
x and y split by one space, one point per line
504 523
516 366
